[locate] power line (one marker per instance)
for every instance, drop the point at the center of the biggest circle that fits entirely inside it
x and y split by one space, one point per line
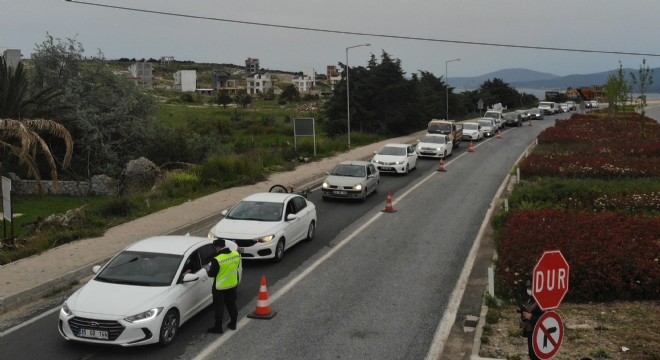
301 28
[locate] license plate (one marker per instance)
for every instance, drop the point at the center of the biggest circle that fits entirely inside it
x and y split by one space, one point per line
385 168
94 334
339 192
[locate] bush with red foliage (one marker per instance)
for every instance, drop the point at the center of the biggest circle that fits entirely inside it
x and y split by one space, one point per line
611 257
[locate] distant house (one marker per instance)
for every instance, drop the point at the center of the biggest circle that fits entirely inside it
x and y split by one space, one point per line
251 66
185 80
306 81
166 60
221 82
12 56
333 76
260 84
142 74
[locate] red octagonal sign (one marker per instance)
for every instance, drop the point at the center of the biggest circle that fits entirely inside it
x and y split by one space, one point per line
550 280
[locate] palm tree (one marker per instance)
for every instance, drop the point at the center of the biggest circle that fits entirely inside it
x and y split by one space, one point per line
21 137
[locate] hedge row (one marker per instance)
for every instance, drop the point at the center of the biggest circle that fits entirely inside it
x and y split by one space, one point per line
611 257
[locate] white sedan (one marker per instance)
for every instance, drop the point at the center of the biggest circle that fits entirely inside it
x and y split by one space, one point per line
434 145
265 225
143 294
396 158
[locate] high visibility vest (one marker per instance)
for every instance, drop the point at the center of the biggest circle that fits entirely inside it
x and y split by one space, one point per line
227 276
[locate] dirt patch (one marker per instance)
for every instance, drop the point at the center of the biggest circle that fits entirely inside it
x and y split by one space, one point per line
620 330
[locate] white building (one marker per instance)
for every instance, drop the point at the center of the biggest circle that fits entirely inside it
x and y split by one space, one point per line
142 73
185 80
305 82
260 84
12 56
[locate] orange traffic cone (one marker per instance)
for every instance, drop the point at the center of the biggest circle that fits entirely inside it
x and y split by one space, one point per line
499 134
441 167
388 204
471 148
262 311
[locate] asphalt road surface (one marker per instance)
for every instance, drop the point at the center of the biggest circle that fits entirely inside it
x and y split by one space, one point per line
371 285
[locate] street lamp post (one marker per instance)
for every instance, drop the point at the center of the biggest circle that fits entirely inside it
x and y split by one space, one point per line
348 98
447 91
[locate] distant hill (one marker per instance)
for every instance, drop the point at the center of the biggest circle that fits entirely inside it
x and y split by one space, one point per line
529 79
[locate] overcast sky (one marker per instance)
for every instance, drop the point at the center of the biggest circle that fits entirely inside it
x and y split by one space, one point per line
631 26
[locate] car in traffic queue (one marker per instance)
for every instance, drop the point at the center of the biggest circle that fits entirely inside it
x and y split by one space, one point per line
571 105
351 179
513 119
535 114
395 158
472 131
265 225
435 146
524 116
143 294
487 126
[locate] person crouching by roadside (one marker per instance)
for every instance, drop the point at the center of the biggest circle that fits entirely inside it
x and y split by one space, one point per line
529 315
224 270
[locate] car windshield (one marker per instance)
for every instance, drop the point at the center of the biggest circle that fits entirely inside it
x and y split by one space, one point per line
467 126
433 139
392 150
440 128
535 111
511 116
485 122
349 170
141 269
491 114
256 211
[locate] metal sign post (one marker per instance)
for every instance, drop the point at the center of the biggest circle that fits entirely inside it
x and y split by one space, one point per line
7 213
303 127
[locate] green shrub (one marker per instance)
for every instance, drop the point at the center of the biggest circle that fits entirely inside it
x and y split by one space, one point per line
180 183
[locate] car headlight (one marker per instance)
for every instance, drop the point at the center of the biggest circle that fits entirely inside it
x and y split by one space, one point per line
325 185
65 310
143 316
399 162
357 187
265 239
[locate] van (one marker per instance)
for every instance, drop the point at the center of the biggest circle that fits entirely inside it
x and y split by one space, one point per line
497 116
548 107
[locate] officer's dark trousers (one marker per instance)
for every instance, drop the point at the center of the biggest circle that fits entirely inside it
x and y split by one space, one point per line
222 298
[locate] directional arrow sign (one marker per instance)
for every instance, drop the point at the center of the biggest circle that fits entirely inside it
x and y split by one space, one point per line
550 280
548 335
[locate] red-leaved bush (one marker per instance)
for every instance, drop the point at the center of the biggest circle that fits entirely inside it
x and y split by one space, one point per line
611 257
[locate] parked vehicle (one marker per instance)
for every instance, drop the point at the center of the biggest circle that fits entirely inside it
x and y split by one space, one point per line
395 158
434 145
497 116
513 119
265 225
447 127
351 179
524 115
487 126
571 105
564 107
143 294
535 114
472 131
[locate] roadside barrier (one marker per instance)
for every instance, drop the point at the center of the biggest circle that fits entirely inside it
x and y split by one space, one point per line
262 311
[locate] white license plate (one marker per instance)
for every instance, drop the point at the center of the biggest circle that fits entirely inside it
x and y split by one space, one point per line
94 334
339 192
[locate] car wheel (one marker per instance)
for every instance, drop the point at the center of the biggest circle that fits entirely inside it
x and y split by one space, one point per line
169 329
311 230
279 251
363 197
278 189
376 187
407 170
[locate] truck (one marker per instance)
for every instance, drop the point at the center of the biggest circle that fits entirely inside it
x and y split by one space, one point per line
549 107
451 128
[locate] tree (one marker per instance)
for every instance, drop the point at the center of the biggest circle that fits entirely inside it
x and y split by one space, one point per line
243 98
644 80
223 99
20 138
290 93
616 90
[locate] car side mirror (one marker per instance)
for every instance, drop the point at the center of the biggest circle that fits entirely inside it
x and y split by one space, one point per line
96 269
224 212
190 278
291 217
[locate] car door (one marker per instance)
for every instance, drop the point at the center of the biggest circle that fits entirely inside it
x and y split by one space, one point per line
412 157
296 228
372 178
195 295
449 146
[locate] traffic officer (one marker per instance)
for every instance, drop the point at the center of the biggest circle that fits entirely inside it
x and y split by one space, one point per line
224 269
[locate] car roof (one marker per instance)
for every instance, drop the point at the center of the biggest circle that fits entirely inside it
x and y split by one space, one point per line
269 197
354 162
396 145
168 244
435 135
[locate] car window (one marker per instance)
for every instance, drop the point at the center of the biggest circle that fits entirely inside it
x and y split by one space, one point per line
256 211
207 253
299 203
392 150
410 150
141 268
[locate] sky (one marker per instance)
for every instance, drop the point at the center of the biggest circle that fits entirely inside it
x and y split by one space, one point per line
595 25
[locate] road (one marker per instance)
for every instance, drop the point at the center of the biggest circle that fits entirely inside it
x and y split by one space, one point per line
371 285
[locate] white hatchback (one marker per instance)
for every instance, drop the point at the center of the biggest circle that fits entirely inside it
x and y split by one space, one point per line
395 158
265 225
434 145
143 294
472 131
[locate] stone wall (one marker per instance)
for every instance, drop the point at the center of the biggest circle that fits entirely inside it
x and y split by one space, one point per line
100 185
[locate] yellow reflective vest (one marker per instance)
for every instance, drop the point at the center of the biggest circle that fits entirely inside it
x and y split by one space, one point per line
227 276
